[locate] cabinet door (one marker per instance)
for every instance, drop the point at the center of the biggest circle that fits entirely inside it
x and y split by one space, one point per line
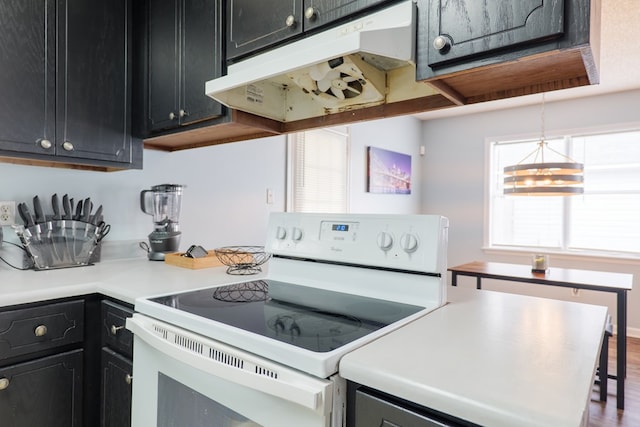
320 12
163 64
468 28
201 59
93 84
43 392
27 80
116 390
253 25
114 333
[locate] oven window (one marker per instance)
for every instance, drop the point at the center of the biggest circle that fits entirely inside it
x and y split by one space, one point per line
179 406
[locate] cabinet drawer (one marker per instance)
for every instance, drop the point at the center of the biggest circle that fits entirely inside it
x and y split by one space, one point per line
42 392
32 329
373 410
114 333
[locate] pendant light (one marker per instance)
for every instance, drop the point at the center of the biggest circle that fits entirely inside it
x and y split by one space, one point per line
564 177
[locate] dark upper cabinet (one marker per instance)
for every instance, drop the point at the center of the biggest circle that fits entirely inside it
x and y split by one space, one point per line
321 12
465 28
255 25
184 51
66 82
27 80
93 80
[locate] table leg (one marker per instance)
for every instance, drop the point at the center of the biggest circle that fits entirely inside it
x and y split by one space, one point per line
621 348
478 282
454 278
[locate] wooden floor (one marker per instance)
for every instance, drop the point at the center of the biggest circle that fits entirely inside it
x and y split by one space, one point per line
605 413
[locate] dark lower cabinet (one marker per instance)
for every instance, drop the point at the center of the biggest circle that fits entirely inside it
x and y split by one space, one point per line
116 389
116 365
45 392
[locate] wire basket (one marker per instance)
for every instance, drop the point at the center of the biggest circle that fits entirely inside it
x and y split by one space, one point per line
242 260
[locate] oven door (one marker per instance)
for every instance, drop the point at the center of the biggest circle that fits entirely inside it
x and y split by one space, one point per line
186 379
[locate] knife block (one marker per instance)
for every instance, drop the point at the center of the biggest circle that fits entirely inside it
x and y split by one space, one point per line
59 243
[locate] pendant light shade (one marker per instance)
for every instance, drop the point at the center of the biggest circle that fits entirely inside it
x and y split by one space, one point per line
563 177
544 179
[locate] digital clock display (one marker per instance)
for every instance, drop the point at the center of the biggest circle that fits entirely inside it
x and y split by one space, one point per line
340 227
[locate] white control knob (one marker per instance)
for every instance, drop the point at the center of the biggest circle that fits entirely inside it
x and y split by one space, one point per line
409 243
385 241
281 233
296 234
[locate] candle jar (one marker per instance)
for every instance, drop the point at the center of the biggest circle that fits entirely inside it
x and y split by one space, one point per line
539 263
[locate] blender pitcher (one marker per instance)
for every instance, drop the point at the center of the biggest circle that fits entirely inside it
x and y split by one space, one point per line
163 203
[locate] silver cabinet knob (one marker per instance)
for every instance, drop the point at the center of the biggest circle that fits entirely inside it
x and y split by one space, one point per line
290 21
40 330
182 113
45 143
67 146
128 379
441 43
115 329
172 115
4 383
311 13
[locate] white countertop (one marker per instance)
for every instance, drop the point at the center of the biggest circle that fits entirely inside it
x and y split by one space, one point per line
491 358
125 280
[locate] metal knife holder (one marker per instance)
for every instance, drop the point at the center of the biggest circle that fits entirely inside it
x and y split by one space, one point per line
60 243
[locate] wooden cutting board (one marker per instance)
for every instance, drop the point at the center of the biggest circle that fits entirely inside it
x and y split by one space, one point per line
211 260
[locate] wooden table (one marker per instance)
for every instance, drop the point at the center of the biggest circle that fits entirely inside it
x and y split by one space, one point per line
618 283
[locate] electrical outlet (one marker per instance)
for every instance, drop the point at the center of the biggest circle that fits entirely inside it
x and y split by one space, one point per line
7 213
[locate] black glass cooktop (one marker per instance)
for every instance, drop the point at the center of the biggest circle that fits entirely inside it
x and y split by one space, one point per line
314 319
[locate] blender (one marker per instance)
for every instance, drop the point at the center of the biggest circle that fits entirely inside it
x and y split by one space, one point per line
163 203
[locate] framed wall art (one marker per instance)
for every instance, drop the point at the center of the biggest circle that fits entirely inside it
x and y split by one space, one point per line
388 172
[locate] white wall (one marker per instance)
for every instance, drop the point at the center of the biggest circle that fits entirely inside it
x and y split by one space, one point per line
224 202
454 183
401 134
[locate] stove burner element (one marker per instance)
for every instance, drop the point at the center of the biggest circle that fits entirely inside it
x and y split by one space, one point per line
257 290
315 324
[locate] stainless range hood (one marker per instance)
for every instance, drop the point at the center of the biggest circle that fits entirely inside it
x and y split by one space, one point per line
359 64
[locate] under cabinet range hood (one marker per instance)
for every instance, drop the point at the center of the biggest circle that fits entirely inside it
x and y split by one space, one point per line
362 63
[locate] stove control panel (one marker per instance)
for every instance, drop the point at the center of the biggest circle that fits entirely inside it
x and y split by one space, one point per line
408 242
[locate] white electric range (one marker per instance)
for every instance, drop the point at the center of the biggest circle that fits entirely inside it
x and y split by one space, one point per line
266 352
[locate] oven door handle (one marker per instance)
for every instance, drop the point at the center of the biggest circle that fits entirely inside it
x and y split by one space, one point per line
309 392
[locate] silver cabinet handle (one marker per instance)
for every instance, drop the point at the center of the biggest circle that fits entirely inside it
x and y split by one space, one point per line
40 330
310 13
115 329
182 113
290 21
67 146
441 43
172 115
128 379
4 383
45 143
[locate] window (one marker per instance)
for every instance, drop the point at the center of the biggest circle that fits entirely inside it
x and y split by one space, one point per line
318 173
605 220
